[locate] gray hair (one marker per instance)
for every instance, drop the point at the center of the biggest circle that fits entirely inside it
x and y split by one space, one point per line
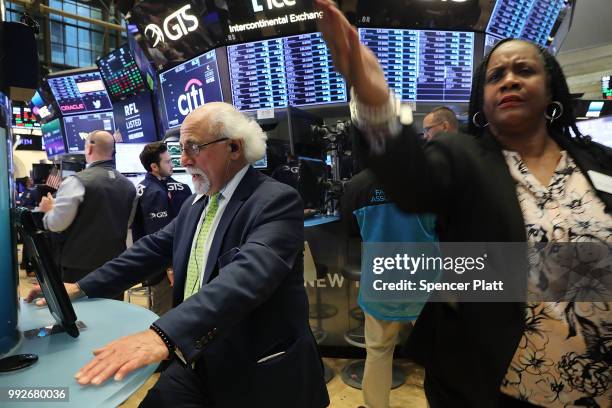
228 122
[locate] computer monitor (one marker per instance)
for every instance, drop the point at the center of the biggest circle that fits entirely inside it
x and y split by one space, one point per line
600 129
289 71
53 138
135 120
77 127
23 117
127 158
531 20
310 75
423 65
594 109
174 150
79 91
47 274
262 163
606 87
190 85
257 75
120 74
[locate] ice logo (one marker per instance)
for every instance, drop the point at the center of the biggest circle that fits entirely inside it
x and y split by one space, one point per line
97 103
176 30
192 98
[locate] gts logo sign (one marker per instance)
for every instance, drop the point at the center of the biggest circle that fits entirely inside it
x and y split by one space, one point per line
161 214
271 4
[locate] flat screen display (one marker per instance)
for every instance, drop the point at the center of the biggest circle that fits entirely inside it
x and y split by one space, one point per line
43 104
53 138
23 117
80 93
424 66
174 150
594 109
78 127
310 75
490 41
121 74
262 163
190 85
127 158
605 87
531 20
295 71
599 129
257 75
134 119
28 142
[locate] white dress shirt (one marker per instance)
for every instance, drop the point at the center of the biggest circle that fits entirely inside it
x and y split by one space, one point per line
69 197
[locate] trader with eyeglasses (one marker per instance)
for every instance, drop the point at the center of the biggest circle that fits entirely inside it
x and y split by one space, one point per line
440 119
238 334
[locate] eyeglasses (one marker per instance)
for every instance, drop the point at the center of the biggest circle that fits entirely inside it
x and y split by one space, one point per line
427 129
193 149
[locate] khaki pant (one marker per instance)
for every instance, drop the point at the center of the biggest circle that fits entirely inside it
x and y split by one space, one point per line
381 337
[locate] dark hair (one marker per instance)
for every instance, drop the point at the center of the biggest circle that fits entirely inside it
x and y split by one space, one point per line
557 86
445 113
150 154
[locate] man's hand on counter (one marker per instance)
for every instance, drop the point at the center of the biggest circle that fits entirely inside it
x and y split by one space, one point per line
122 356
73 290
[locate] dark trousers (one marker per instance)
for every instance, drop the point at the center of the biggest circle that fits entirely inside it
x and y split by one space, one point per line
178 386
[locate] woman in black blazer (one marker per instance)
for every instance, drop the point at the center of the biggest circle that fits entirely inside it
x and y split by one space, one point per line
521 176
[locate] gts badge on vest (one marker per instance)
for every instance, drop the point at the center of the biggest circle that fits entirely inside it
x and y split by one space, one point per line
111 174
161 214
175 187
140 190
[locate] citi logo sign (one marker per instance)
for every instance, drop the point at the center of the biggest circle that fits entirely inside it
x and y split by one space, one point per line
175 26
76 106
271 4
192 98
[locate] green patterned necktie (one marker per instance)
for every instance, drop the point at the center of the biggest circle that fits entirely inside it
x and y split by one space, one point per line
194 267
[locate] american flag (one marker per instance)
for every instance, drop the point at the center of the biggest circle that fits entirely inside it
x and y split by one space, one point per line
54 178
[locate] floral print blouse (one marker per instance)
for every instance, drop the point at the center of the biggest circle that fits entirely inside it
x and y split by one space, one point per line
564 356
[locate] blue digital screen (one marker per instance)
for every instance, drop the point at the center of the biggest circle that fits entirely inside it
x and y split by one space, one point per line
526 19
190 85
78 127
262 163
420 65
134 119
490 41
295 71
53 138
79 93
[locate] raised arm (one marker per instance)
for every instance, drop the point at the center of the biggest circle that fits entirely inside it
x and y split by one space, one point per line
417 179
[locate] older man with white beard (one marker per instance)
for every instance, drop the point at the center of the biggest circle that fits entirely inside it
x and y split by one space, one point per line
238 333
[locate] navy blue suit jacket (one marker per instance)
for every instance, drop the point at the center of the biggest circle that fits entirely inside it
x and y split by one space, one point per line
252 304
